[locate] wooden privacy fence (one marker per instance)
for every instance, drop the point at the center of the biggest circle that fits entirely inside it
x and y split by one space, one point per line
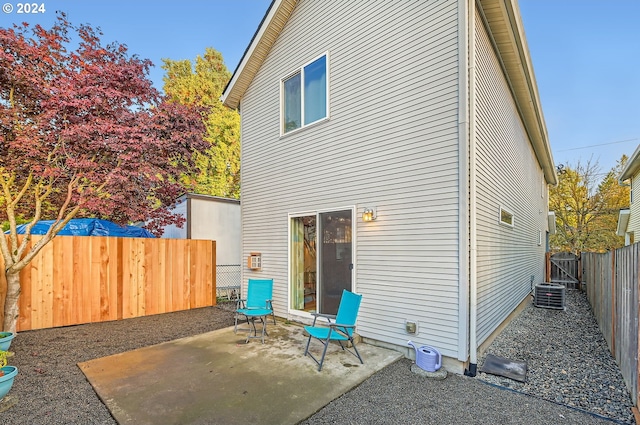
612 289
84 279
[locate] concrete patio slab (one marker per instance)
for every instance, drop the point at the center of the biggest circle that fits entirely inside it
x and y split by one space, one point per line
215 378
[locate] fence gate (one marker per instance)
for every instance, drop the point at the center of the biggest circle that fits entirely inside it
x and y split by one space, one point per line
565 269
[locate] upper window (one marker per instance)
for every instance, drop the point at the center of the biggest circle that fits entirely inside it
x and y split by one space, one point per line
305 95
506 217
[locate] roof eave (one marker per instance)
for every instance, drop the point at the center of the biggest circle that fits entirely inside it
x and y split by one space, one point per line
257 51
507 29
632 166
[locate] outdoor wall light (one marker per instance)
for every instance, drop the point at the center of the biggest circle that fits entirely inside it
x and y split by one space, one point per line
369 214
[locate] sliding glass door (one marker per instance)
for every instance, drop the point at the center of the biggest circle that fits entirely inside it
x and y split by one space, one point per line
321 261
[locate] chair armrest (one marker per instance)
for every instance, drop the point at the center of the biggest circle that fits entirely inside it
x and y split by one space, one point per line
329 317
326 316
346 330
338 325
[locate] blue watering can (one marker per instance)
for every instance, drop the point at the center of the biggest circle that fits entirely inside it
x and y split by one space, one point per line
427 358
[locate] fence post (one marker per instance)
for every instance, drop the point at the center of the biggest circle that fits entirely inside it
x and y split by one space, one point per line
613 303
214 271
547 267
579 270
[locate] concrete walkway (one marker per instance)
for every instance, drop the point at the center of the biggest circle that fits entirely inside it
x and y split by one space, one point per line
217 378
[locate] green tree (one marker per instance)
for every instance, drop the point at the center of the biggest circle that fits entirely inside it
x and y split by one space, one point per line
217 170
587 208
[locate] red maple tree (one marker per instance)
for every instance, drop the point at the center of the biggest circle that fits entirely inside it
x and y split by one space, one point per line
83 133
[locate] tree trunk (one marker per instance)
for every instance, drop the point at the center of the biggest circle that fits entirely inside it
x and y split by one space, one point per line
11 309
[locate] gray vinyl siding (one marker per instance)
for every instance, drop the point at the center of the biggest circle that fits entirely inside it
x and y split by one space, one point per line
634 210
391 142
508 175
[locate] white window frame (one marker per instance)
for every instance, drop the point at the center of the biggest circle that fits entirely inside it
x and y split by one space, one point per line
504 223
300 71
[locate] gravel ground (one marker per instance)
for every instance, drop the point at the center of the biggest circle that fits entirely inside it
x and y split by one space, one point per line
566 354
397 396
567 357
571 379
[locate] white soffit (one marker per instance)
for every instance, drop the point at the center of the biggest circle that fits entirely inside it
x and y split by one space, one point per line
623 221
552 222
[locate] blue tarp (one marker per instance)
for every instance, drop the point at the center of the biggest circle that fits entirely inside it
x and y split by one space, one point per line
90 227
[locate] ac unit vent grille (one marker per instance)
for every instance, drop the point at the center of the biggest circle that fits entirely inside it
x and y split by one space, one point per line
549 295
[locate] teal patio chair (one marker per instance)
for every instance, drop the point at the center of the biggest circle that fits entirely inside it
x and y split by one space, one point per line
257 305
341 330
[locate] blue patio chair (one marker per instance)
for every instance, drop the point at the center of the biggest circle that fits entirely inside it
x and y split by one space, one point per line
257 305
341 330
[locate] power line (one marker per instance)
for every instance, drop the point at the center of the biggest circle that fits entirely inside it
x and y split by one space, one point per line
600 144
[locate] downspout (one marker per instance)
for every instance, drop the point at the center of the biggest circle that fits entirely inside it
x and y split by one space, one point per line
473 282
463 183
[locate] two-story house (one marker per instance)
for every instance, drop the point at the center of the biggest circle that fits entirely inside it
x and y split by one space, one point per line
396 149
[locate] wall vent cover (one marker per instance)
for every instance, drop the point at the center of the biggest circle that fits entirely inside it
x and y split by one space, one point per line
549 295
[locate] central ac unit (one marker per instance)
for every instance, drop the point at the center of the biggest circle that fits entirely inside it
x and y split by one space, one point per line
549 295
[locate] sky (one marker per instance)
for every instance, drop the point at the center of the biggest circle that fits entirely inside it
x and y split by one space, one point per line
586 59
585 53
